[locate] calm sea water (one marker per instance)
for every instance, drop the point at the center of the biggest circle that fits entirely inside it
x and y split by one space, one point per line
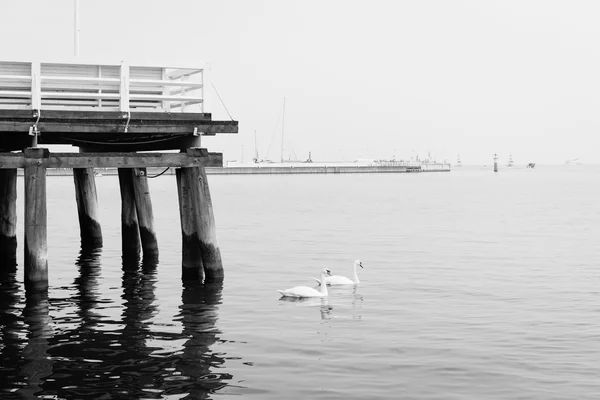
476 286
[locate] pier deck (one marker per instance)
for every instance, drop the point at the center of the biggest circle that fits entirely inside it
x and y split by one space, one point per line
104 107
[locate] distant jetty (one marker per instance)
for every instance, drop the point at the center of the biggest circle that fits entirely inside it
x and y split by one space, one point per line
234 168
330 168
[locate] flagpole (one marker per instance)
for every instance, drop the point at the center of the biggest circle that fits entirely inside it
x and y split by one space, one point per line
76 27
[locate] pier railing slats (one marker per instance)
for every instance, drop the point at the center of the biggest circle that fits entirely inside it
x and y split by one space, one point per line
124 88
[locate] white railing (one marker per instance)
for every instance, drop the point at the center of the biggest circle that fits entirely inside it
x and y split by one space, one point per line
109 87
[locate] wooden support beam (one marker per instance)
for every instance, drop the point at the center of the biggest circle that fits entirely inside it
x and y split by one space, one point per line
148 128
114 160
87 207
36 245
200 232
118 127
143 205
8 220
130 231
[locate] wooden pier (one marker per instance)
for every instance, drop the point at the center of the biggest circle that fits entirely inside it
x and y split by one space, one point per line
117 116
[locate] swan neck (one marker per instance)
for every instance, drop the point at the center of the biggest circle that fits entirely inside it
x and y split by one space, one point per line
324 284
355 277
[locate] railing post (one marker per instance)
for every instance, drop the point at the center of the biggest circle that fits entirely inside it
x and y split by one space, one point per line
182 93
205 105
202 90
36 86
124 89
166 104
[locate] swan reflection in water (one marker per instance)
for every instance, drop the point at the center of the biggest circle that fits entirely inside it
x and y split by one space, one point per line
321 302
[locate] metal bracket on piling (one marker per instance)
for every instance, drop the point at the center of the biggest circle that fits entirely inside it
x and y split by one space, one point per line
33 130
127 123
199 135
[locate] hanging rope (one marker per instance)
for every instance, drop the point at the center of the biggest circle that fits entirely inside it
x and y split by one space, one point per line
157 175
75 140
224 106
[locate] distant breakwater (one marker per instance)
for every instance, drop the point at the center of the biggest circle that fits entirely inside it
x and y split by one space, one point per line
280 170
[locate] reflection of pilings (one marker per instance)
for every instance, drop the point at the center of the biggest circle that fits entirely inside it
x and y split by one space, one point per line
10 327
138 296
199 314
37 365
128 365
87 283
8 220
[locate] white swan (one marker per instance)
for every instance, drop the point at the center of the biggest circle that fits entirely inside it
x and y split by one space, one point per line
342 280
305 291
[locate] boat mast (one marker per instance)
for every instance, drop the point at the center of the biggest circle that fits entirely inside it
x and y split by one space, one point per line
282 126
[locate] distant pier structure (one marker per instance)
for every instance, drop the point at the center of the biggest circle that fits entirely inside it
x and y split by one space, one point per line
118 116
495 162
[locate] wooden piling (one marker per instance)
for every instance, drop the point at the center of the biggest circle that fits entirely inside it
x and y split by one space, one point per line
191 255
211 255
36 246
143 205
87 207
130 231
196 205
8 220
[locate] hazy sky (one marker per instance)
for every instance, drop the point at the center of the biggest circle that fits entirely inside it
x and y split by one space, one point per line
369 79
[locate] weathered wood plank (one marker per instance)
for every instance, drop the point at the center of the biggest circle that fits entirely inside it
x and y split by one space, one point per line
112 160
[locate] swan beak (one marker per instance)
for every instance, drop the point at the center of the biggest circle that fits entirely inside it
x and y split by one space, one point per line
360 265
328 272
